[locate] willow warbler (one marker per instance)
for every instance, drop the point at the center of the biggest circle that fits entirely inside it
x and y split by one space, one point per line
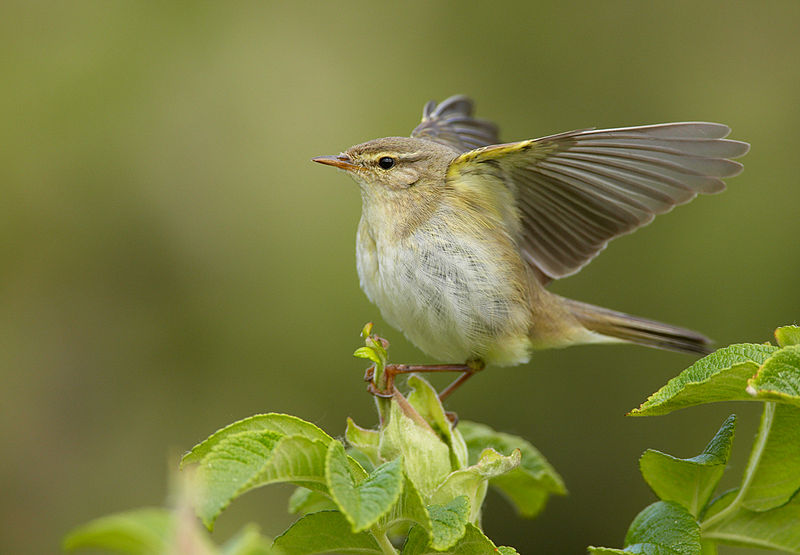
459 235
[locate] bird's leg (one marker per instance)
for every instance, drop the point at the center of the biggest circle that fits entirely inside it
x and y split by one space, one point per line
472 367
392 370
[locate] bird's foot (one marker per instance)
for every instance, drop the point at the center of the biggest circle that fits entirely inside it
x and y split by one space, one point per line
471 367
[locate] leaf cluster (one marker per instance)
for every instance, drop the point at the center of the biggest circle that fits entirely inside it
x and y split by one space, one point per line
417 482
764 510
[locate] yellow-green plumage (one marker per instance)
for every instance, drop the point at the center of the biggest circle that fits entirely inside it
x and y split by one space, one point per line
459 236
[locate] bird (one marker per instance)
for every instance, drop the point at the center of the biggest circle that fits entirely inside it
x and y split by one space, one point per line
460 234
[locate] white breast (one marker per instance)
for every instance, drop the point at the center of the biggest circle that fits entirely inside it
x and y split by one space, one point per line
445 295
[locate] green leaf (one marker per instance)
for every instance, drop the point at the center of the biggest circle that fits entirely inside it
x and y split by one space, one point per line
379 345
249 541
526 487
366 463
448 522
505 550
689 482
247 460
668 527
374 349
472 481
425 400
473 542
366 441
325 532
304 501
720 376
426 458
410 508
788 335
773 529
368 353
708 547
366 331
366 502
663 528
142 531
418 542
279 424
459 454
777 476
778 379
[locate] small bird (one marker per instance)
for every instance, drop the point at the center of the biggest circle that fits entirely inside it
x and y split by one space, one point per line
459 235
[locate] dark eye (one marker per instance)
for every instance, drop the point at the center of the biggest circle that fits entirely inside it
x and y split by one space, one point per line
386 162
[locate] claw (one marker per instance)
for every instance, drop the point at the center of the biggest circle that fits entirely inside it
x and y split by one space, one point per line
452 417
369 374
382 394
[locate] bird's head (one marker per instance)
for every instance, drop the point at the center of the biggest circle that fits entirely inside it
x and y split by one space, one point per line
392 166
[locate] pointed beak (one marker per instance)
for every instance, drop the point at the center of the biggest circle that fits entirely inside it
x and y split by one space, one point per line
341 161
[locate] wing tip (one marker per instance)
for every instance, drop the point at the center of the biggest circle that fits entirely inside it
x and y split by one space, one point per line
741 146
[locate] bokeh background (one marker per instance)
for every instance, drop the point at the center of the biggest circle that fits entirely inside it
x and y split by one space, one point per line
171 261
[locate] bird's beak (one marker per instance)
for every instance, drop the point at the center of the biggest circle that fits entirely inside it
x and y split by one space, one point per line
341 161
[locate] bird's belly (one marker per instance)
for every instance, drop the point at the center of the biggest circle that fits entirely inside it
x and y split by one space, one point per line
447 299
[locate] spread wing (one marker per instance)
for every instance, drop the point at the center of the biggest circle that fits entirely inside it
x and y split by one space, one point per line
451 123
578 190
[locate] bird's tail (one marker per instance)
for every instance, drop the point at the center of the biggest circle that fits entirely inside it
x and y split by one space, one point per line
633 329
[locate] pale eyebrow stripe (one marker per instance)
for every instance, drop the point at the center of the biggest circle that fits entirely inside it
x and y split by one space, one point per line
406 157
411 157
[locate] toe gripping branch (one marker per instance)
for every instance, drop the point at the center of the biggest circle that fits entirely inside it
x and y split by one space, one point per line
381 381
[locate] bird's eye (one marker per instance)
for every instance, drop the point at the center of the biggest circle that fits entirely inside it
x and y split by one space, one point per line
386 162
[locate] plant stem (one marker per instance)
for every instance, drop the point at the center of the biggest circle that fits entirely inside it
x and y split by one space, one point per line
750 471
383 410
380 380
383 541
383 404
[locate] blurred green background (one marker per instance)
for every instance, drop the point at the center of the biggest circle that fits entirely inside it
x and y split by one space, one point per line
171 261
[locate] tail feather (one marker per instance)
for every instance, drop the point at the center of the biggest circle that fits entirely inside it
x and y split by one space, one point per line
638 330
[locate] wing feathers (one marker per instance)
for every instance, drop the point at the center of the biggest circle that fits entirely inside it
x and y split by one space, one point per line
635 185
580 189
686 129
660 177
451 123
720 148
